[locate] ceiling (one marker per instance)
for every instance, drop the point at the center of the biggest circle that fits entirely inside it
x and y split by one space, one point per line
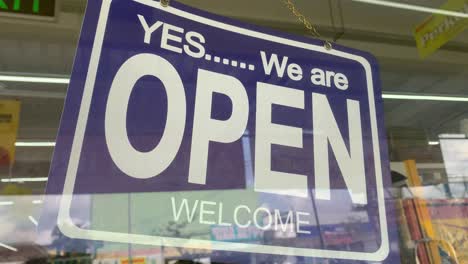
35 47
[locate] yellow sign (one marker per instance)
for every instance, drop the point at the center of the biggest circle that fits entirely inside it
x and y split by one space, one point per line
9 120
437 30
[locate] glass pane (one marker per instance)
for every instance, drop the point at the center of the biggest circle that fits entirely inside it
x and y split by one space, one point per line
425 118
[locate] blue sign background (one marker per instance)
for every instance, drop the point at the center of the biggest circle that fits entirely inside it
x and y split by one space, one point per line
146 117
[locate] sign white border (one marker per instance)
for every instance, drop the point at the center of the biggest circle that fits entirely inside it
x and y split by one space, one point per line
66 225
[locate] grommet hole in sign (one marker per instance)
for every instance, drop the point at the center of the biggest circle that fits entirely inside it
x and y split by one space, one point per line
165 3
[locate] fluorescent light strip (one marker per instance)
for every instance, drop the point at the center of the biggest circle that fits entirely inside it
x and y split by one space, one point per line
424 97
16 78
385 96
32 220
35 144
35 179
452 136
414 8
6 202
37 201
433 143
8 247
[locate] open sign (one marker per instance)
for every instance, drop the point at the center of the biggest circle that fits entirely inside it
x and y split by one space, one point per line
148 164
225 128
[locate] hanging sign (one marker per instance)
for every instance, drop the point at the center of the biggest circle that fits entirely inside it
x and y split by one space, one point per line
215 135
9 120
437 30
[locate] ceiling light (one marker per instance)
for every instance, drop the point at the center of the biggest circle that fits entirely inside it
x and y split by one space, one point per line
8 247
414 8
33 79
443 136
35 179
433 143
64 80
35 144
32 220
37 201
6 202
424 97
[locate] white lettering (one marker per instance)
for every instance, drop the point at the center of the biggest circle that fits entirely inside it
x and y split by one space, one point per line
149 30
204 211
300 222
341 81
194 39
184 204
295 72
268 133
166 36
273 61
351 163
236 215
318 77
288 223
206 129
220 216
136 163
256 217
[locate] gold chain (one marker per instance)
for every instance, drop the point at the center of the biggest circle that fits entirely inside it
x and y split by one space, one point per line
290 5
312 30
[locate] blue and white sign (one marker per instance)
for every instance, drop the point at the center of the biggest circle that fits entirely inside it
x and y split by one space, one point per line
249 140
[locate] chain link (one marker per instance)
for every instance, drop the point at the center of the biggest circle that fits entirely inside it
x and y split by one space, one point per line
307 24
